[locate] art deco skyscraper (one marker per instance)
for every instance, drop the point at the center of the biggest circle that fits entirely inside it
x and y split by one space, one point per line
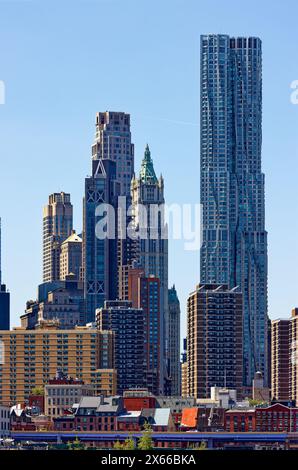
57 226
234 245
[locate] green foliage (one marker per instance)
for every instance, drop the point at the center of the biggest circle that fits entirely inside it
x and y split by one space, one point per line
128 444
256 402
202 446
146 441
118 445
37 391
75 445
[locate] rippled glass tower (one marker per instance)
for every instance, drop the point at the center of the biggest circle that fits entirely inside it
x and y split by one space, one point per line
234 245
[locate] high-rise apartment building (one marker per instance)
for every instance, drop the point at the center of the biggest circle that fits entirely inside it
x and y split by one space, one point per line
71 257
174 343
4 298
184 371
214 339
284 358
144 293
32 357
280 359
127 323
234 245
57 226
293 356
152 253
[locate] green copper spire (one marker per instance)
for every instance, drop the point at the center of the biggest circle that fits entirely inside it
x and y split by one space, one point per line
147 173
173 297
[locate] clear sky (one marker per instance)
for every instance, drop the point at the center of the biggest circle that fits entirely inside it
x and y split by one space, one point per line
62 61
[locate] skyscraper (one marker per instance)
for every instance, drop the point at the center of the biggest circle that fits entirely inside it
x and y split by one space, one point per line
214 339
112 170
99 252
284 358
57 226
152 252
113 142
144 293
4 299
174 343
184 371
234 245
127 323
71 257
293 356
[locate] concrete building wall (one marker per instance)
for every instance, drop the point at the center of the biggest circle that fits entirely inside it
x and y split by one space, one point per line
214 339
280 357
32 357
4 421
57 226
128 325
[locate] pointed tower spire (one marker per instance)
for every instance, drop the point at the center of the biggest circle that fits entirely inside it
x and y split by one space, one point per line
147 173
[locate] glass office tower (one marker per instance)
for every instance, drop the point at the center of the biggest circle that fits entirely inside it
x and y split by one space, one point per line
99 254
234 245
112 170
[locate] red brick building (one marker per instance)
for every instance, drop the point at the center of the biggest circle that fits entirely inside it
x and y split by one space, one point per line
137 400
64 423
37 401
240 421
92 414
276 418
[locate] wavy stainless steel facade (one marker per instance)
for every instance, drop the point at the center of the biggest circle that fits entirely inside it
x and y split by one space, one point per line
234 245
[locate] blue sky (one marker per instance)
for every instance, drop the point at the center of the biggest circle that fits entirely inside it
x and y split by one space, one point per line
62 61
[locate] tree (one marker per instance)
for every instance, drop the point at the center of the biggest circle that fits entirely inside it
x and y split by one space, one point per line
256 402
37 391
128 444
202 446
75 445
118 445
146 441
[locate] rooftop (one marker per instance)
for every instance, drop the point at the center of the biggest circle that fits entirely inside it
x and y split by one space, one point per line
147 173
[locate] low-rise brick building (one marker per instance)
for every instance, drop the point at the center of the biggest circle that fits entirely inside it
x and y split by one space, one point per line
92 414
276 418
237 420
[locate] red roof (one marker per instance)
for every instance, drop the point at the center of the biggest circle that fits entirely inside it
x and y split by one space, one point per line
190 417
